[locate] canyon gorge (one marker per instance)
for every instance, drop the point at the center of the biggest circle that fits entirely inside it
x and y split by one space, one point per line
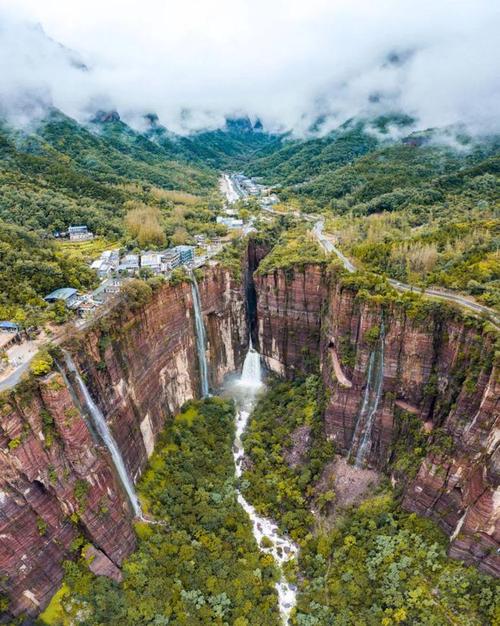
402 367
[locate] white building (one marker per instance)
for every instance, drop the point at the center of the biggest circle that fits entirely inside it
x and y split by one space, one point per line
129 264
230 222
111 257
102 268
171 259
107 289
152 261
79 233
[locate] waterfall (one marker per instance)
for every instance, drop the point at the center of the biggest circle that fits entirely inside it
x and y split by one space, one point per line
373 392
280 548
251 375
201 341
102 428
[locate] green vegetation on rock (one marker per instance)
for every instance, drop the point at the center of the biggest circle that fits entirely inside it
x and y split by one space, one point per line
379 565
295 249
286 424
201 565
368 565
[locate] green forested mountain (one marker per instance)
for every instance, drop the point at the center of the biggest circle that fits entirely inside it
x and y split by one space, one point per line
63 173
423 209
301 160
109 177
415 208
230 147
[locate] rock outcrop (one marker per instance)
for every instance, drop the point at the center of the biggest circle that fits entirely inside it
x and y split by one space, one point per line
439 383
58 487
289 318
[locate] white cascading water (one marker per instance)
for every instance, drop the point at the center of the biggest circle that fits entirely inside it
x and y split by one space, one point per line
371 399
201 341
281 548
102 428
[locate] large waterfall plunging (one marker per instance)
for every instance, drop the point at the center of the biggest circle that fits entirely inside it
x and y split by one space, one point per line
102 428
201 341
373 392
281 548
251 376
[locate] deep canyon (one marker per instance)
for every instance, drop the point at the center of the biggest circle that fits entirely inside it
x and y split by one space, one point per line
438 374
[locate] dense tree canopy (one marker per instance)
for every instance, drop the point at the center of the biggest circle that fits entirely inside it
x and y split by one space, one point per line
203 565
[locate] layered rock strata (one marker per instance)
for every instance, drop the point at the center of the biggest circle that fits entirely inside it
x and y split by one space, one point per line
439 382
58 487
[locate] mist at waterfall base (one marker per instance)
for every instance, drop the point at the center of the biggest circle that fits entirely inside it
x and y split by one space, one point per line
101 426
245 390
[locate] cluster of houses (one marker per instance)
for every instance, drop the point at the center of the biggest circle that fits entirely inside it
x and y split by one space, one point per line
247 185
113 269
163 262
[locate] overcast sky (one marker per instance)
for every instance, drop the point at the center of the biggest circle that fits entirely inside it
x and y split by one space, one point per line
286 61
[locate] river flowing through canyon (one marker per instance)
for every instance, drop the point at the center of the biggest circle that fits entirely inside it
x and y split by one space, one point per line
281 548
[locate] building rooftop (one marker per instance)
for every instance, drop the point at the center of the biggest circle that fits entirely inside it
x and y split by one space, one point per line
61 294
78 229
10 326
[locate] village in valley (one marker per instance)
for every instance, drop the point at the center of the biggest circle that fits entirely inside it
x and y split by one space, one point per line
114 267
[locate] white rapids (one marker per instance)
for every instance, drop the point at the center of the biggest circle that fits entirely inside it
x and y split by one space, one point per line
281 548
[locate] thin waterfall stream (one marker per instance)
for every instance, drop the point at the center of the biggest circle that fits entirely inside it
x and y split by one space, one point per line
362 438
101 426
281 548
201 340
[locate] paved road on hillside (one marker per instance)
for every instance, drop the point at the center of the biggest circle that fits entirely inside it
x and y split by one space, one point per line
330 247
434 293
15 377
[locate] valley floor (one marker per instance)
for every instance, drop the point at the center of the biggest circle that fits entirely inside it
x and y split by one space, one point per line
362 559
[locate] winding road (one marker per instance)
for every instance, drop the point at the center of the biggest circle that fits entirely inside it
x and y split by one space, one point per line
330 247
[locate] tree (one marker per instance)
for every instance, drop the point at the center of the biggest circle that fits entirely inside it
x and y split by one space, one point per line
41 363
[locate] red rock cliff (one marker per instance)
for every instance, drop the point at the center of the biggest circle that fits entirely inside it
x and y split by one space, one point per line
57 481
437 375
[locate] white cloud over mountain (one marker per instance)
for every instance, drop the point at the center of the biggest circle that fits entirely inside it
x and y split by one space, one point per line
287 62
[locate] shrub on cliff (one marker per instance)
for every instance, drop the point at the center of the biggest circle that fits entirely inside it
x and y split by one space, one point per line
136 293
295 249
178 276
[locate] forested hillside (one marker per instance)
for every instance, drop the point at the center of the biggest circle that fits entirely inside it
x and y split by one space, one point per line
229 147
63 173
298 161
135 189
422 209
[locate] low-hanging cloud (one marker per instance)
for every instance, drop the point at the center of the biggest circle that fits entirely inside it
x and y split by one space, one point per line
287 62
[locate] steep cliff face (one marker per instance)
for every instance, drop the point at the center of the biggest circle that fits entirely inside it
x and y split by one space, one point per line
57 481
413 387
289 318
396 373
143 368
55 484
